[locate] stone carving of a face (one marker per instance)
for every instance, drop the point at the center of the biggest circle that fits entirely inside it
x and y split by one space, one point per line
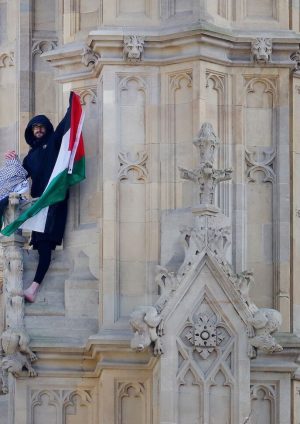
261 49
133 48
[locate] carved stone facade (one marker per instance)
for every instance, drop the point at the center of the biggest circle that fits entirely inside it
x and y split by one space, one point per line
176 288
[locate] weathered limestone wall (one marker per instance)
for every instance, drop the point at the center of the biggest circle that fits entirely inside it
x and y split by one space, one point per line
197 64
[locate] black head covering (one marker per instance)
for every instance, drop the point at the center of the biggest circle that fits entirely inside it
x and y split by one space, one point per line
42 120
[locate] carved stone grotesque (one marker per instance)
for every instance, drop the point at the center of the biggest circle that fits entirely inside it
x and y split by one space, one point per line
295 57
206 176
242 284
167 283
261 50
146 324
133 48
15 353
265 322
89 57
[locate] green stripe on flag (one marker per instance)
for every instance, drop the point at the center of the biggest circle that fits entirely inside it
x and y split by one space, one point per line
54 193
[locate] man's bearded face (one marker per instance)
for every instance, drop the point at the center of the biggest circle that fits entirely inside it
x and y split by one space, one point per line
39 130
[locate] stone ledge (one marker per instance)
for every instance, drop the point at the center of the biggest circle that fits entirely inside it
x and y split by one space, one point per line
72 357
169 46
44 309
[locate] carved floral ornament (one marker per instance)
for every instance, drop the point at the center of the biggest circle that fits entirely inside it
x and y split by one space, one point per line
260 159
210 235
137 166
7 59
205 335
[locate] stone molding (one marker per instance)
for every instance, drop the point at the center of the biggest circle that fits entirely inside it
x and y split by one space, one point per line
87 94
79 61
193 44
61 401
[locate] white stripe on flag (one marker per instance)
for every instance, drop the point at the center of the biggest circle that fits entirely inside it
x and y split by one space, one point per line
76 143
63 157
38 221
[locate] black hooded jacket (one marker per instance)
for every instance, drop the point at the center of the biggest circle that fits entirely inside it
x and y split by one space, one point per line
41 158
39 164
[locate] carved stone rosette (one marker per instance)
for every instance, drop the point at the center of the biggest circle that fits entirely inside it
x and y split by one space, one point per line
15 353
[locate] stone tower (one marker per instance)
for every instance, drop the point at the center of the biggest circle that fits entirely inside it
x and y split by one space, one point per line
181 254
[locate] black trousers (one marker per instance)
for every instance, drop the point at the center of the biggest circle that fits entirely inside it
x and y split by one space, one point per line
3 205
44 249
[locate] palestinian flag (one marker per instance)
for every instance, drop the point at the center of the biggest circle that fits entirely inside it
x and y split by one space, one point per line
69 169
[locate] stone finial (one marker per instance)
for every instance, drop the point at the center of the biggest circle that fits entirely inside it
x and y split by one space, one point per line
295 57
261 50
206 142
133 48
206 176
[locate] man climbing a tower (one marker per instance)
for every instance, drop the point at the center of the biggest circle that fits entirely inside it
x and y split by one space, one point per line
54 162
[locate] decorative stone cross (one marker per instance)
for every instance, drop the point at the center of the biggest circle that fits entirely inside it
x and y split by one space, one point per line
206 176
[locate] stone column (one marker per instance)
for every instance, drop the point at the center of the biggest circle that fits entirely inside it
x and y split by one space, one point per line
14 341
